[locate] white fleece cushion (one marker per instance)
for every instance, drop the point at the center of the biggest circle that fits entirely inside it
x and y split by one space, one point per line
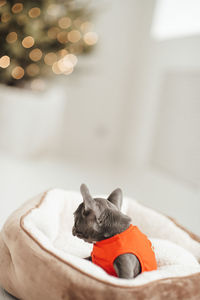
51 225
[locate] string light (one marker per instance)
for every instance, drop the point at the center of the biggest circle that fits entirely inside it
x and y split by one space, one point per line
50 58
32 70
2 3
34 12
17 72
52 32
5 17
64 22
35 54
11 37
62 37
74 36
28 42
90 38
4 61
17 8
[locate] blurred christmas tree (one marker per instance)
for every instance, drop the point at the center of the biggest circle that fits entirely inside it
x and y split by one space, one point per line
42 37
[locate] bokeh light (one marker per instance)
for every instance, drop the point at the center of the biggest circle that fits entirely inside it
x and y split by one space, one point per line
36 38
17 8
62 37
17 72
5 17
50 58
65 65
64 22
86 26
32 70
90 38
72 58
4 61
69 71
74 36
11 37
56 69
28 42
34 12
52 32
62 52
35 54
2 3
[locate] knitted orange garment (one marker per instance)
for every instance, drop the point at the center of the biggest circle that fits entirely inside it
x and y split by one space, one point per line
132 240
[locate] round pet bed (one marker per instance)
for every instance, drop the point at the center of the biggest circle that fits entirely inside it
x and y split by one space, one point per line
41 260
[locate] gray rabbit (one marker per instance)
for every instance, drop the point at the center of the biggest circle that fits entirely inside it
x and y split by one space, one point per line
97 220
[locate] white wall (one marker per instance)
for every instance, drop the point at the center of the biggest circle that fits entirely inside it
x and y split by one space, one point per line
163 141
174 19
98 101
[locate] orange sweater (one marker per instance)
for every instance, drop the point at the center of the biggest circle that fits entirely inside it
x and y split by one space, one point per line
132 240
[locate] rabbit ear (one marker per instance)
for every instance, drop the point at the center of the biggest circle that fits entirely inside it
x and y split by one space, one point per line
87 198
116 198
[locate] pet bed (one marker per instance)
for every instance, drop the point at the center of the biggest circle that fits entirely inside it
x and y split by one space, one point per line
41 260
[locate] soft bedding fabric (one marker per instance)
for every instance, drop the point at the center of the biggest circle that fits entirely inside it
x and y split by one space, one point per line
40 259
